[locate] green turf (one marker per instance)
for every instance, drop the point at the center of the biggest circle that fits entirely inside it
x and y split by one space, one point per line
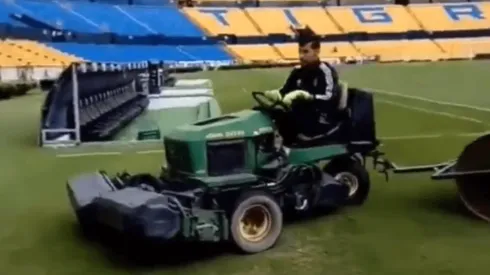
409 225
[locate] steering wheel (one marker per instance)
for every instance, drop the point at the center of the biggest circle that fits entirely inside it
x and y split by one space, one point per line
260 98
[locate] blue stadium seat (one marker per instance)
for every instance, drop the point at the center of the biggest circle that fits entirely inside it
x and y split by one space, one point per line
206 52
54 14
111 18
5 10
166 20
100 17
136 53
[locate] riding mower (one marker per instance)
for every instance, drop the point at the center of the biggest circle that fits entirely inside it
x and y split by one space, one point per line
231 178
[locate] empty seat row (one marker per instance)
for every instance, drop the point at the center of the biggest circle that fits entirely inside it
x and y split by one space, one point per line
289 52
16 53
387 51
89 17
104 114
137 53
465 48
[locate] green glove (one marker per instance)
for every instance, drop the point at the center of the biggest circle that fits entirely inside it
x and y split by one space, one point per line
344 94
295 95
273 95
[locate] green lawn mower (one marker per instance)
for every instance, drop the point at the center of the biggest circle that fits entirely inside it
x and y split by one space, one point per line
231 178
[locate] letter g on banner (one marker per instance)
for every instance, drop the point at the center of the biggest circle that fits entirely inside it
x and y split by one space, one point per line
368 15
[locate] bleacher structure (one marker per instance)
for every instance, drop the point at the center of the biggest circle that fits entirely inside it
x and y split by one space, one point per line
52 34
105 113
120 103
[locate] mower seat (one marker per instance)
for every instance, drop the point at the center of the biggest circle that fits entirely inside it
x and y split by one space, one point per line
355 122
361 130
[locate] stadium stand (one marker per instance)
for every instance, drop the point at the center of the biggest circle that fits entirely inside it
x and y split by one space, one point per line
374 19
280 20
223 3
220 21
262 3
343 50
463 48
408 50
22 53
247 31
365 2
256 53
452 17
135 53
91 17
103 114
292 3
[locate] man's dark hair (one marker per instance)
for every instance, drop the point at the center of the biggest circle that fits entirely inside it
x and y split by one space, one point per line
307 35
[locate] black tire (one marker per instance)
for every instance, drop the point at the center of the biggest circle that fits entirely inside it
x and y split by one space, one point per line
345 169
88 226
255 201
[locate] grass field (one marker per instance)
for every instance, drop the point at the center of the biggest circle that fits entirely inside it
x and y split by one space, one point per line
409 225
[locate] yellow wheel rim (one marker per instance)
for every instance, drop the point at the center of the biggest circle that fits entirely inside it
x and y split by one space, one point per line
255 223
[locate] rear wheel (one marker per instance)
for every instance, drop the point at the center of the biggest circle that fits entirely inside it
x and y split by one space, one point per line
256 222
353 174
474 190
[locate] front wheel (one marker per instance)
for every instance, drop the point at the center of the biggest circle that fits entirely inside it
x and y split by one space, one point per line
256 222
351 172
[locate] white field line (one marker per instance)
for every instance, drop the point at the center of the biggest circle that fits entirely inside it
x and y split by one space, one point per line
425 99
407 137
420 98
157 151
88 154
433 136
428 111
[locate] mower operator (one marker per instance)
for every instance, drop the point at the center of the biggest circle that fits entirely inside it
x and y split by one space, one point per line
316 84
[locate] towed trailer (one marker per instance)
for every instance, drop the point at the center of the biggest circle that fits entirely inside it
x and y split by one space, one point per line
470 171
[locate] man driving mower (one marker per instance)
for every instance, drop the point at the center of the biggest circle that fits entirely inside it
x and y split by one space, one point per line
318 96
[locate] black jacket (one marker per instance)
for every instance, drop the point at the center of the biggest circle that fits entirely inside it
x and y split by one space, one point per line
320 80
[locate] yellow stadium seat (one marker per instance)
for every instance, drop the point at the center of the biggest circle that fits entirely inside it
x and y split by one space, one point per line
402 50
328 50
362 2
453 17
465 48
255 53
297 2
6 60
280 20
374 19
218 21
29 53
